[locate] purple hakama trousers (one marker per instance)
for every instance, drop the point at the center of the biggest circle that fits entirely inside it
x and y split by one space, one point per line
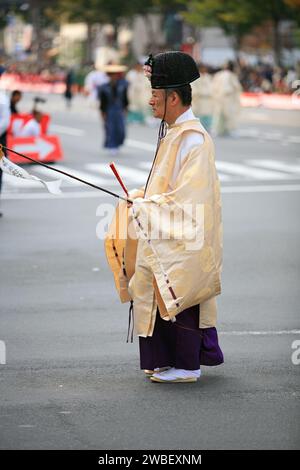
181 344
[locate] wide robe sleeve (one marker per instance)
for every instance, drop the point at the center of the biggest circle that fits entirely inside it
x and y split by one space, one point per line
120 247
180 236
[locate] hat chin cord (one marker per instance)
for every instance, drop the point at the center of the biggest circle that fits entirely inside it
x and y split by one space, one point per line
163 125
161 134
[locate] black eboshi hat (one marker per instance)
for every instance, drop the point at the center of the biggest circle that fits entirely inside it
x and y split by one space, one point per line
172 69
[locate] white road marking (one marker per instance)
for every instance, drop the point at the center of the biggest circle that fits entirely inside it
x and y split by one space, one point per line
261 188
259 333
276 165
98 194
67 130
101 175
129 173
137 144
271 135
294 139
243 170
222 176
249 132
145 165
41 170
79 174
26 426
267 135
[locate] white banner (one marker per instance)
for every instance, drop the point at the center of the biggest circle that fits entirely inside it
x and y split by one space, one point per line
12 169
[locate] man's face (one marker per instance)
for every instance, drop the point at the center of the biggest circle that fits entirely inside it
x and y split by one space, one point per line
157 103
16 98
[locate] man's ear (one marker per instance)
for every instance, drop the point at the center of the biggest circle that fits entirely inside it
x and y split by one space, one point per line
174 98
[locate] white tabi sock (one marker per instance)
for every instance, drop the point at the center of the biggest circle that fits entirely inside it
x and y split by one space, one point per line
173 374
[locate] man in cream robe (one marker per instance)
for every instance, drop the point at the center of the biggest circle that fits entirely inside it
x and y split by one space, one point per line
169 264
226 90
203 97
139 91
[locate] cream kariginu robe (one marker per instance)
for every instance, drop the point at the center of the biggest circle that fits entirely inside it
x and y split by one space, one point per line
171 265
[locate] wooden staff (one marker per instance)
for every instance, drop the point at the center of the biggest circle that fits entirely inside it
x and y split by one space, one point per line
116 173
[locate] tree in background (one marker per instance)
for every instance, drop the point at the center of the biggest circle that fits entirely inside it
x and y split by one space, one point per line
238 17
91 12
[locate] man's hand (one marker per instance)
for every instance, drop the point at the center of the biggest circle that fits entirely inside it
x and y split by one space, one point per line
134 194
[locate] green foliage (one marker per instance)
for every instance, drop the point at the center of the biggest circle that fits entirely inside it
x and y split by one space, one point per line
94 11
239 16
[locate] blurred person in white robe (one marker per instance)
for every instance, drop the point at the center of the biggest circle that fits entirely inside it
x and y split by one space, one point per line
203 98
226 89
93 81
139 91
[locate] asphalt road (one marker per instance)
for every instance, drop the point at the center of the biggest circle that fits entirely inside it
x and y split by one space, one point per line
70 380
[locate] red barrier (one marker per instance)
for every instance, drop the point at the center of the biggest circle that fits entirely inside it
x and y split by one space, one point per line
270 100
44 148
36 83
31 82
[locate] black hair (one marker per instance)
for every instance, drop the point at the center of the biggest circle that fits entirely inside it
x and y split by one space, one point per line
16 92
230 66
184 93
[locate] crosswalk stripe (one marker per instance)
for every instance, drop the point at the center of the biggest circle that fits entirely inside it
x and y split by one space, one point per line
294 139
247 132
243 170
79 174
97 194
129 173
67 130
140 145
145 165
100 173
275 165
271 135
260 333
222 176
42 171
253 133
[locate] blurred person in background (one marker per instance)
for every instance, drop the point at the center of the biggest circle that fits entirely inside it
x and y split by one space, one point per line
226 90
113 106
279 83
4 121
291 79
93 80
69 82
202 97
139 91
32 128
15 98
